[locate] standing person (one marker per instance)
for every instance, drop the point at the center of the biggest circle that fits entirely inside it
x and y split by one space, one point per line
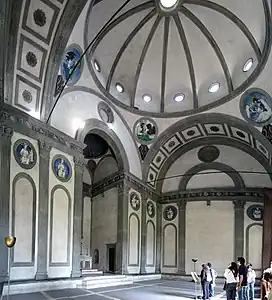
231 275
212 283
242 284
251 277
206 279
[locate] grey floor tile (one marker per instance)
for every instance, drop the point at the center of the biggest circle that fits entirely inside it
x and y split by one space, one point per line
65 293
33 296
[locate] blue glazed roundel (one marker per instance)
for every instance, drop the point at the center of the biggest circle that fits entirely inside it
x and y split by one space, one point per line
69 60
62 168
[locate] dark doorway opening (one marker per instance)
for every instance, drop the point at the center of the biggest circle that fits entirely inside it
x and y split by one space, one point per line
111 249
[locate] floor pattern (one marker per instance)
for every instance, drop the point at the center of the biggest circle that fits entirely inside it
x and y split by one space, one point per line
149 290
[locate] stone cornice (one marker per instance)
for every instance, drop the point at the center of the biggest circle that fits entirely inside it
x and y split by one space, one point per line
120 178
23 123
230 194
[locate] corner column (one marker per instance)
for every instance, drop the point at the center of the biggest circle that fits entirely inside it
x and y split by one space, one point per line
122 229
239 212
267 231
158 238
5 156
181 237
78 201
143 236
44 167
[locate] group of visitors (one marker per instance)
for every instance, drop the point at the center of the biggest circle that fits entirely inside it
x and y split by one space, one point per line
266 284
240 279
208 276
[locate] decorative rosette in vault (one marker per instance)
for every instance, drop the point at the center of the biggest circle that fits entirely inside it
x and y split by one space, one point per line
176 57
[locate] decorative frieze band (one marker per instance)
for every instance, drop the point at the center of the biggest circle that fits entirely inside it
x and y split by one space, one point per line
250 194
16 120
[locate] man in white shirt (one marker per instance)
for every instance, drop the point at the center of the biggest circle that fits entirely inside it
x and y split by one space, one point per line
251 277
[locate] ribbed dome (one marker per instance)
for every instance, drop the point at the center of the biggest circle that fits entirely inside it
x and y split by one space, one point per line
177 57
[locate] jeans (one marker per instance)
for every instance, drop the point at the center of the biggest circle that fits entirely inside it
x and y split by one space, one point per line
250 287
211 289
243 293
231 291
206 289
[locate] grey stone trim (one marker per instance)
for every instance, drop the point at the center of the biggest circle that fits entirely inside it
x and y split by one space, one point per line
122 229
215 194
10 11
229 171
78 216
239 212
263 57
115 179
138 240
227 138
15 180
143 245
130 37
23 123
164 60
97 94
44 166
154 244
176 246
87 189
213 44
158 238
67 263
5 155
188 58
98 127
181 237
142 58
232 17
67 22
247 239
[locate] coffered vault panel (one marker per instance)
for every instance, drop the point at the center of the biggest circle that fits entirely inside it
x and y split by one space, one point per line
152 52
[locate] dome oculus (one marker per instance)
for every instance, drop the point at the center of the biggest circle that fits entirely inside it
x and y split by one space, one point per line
248 64
179 97
168 3
119 87
147 98
214 87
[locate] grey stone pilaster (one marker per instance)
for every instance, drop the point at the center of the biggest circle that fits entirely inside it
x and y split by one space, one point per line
158 238
122 229
181 236
143 236
5 155
44 167
239 211
78 199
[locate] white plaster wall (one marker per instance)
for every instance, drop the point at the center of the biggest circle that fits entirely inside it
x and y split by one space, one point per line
134 236
23 195
205 180
104 224
106 167
70 106
60 219
235 158
169 244
209 234
23 223
254 241
86 242
151 238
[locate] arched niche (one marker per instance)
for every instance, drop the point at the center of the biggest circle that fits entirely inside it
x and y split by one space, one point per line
150 244
133 240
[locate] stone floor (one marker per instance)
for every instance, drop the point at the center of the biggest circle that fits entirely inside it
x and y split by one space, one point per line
149 290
